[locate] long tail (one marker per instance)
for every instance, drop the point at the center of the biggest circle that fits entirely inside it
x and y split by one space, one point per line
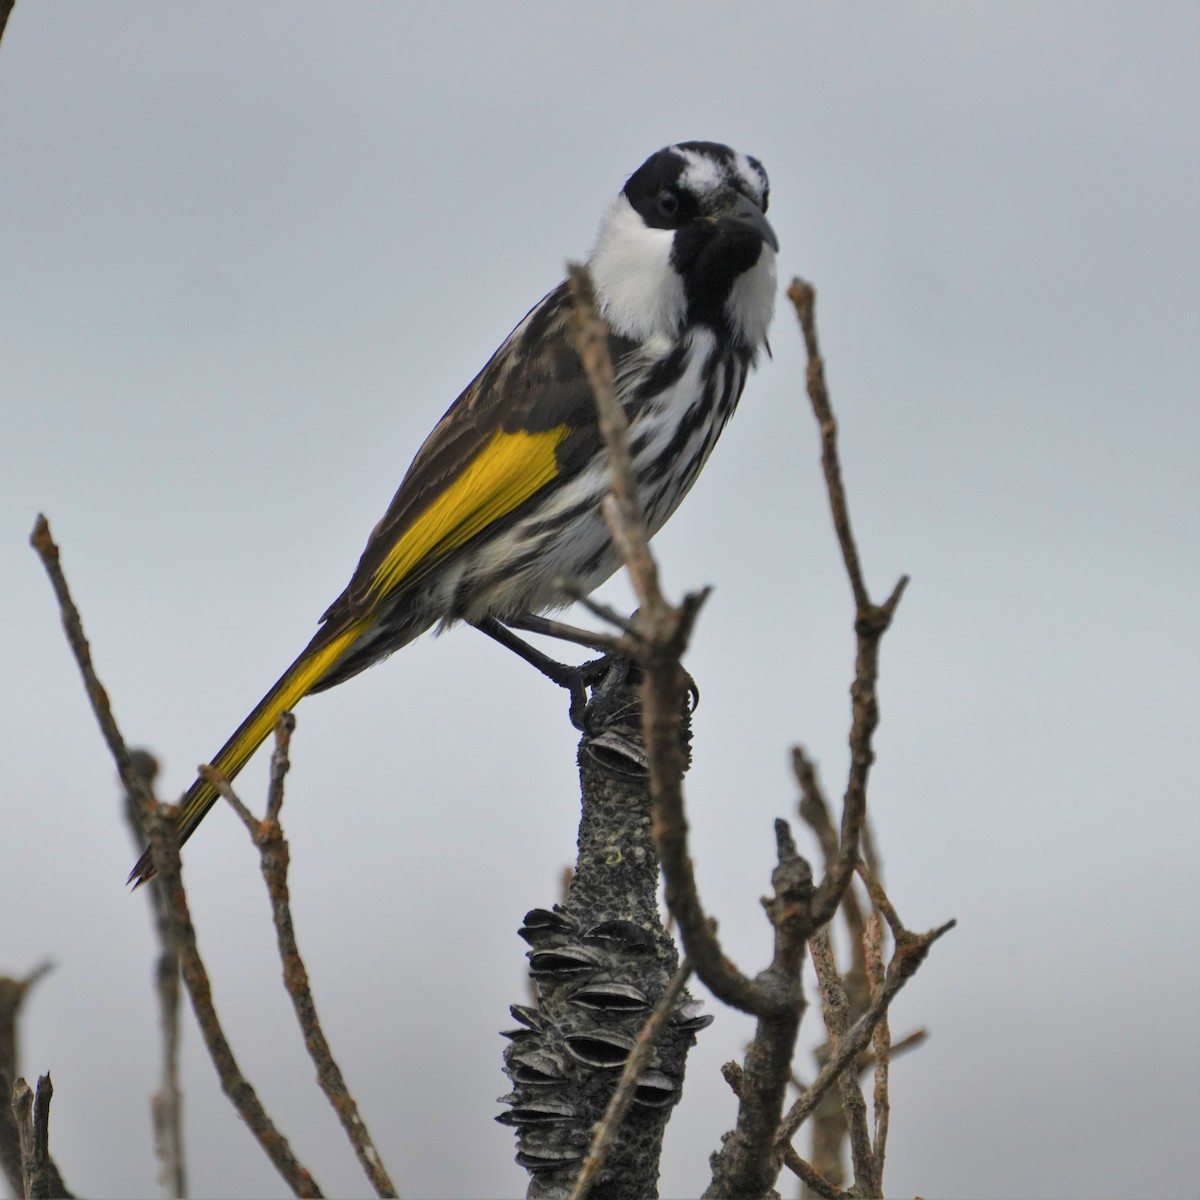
318 658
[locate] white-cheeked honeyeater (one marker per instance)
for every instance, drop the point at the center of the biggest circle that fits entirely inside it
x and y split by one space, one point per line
502 502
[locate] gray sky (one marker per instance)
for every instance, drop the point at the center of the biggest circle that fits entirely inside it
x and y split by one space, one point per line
249 254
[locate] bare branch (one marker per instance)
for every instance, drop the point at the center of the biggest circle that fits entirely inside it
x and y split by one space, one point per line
907 958
626 523
165 856
747 1163
13 993
910 1041
605 612
814 810
40 1177
267 835
866 1060
803 296
658 637
166 1105
656 645
280 765
881 1041
47 551
812 1178
160 828
12 996
835 1006
880 900
871 620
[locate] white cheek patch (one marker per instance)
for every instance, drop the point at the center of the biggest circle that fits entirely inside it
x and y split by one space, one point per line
751 303
640 293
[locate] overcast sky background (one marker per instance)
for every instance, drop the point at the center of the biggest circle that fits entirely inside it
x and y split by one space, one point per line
250 253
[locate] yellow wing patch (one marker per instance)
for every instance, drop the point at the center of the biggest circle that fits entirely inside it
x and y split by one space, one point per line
505 473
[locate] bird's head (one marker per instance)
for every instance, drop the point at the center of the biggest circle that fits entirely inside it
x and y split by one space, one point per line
687 244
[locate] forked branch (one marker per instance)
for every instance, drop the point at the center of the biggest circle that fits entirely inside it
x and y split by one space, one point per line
158 820
870 624
267 835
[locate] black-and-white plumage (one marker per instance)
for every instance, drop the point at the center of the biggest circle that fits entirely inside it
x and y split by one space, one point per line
684 271
502 502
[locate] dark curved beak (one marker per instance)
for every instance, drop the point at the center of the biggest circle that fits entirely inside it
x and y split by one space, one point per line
748 215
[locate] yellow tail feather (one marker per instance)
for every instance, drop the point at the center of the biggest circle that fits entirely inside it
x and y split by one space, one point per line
499 476
295 683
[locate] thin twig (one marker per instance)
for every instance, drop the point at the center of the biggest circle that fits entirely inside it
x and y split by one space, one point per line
814 810
40 1177
165 856
841 849
166 1105
830 1128
160 829
811 1177
803 296
909 1042
47 551
870 855
13 993
43 1184
215 779
880 899
627 524
866 1060
747 1163
734 1074
635 1064
881 1041
661 635
267 835
907 958
835 1007
605 612
22 1108
280 765
871 620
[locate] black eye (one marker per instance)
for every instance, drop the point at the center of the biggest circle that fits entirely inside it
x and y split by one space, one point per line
667 203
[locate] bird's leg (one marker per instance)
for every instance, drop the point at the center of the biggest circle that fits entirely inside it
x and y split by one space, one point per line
581 637
576 679
558 629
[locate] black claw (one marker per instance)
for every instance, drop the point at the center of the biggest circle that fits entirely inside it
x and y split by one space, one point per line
601 676
578 710
598 669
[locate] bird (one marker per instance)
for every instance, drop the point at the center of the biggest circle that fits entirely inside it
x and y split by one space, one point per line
502 502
